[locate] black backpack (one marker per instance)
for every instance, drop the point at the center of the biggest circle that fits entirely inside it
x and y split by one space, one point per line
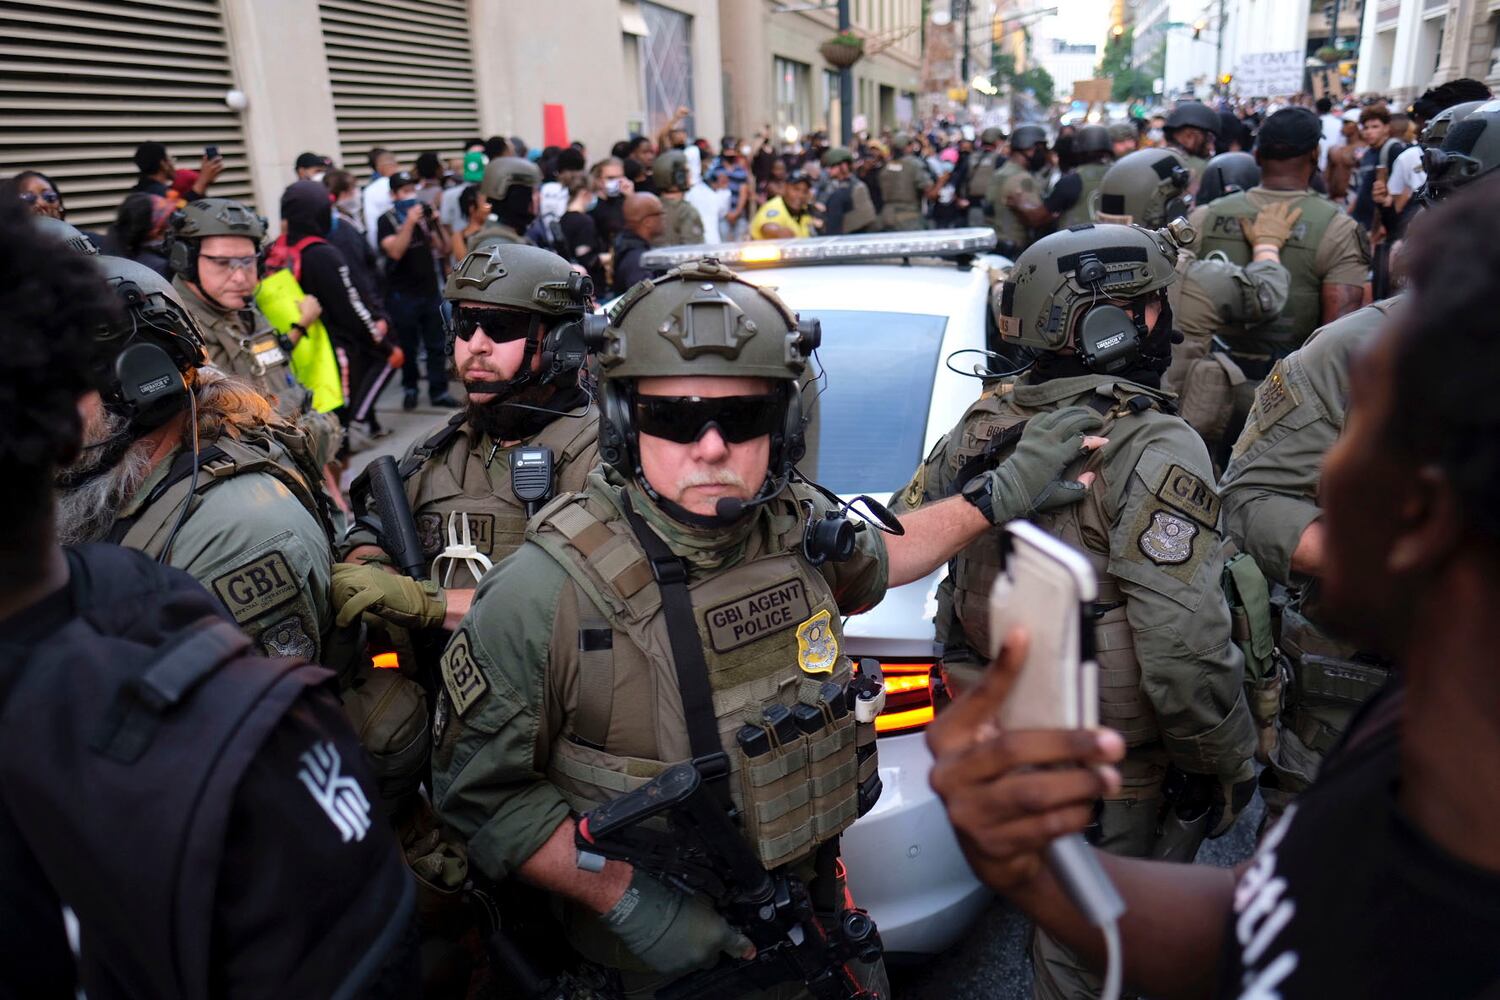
123 741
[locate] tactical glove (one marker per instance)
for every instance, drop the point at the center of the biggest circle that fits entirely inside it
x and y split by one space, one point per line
1029 482
670 931
1231 794
400 600
1272 225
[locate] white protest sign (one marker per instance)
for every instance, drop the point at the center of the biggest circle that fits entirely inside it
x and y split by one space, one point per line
1269 74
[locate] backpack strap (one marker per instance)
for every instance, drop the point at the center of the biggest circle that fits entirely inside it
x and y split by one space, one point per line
436 443
151 514
294 254
133 718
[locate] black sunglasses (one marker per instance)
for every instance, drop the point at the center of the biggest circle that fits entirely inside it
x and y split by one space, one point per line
500 325
685 419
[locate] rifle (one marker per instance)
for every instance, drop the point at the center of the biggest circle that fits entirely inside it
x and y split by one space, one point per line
704 854
392 519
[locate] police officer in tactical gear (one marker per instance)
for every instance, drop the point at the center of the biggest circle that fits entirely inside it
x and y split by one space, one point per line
202 812
1227 173
681 223
1190 131
1271 501
1326 252
66 233
1071 200
983 163
847 208
1092 301
510 183
905 182
194 468
1149 188
1123 139
570 681
215 249
1014 195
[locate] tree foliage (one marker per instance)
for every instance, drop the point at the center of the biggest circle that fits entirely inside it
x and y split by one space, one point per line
1129 82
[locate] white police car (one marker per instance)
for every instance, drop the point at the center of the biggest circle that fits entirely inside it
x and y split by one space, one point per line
895 307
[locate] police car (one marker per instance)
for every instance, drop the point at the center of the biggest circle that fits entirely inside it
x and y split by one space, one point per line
895 309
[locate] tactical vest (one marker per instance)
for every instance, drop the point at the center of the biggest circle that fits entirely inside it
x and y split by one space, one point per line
683 223
260 356
899 182
270 449
1085 526
1008 227
452 474
980 174
758 621
1304 307
1082 210
861 214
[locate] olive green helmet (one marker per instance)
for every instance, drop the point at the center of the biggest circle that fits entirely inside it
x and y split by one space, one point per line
669 171
1061 292
65 233
1123 132
519 276
1470 150
1145 188
142 355
503 172
1092 140
899 142
699 319
1436 130
992 135
198 220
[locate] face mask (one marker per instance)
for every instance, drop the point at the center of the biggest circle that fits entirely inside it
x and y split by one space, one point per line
593 204
318 176
611 187
405 204
333 223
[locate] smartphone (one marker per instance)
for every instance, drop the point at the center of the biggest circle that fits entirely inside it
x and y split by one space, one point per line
210 152
1049 587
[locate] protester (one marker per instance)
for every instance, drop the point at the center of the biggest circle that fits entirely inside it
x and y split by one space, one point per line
158 171
138 230
38 193
414 291
377 194
643 223
474 214
580 237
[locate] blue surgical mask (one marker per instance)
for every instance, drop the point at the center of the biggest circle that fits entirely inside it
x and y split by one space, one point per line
593 204
405 204
611 186
333 223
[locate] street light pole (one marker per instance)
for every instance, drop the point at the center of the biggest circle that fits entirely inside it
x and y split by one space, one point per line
1219 52
846 86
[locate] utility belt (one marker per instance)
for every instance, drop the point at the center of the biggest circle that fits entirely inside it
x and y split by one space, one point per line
1329 680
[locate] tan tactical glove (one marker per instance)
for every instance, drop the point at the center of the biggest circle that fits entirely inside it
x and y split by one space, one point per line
393 598
671 931
1272 225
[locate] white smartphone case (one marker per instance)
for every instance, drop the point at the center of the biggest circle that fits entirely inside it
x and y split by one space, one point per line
1049 588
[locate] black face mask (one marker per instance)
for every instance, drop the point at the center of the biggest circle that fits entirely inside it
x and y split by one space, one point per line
515 208
513 419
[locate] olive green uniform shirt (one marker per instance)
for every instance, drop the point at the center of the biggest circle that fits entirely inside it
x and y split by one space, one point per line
903 185
1191 672
1011 178
255 547
491 757
1270 487
681 224
1210 294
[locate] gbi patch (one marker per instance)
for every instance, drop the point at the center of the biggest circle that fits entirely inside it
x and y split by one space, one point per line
255 588
462 677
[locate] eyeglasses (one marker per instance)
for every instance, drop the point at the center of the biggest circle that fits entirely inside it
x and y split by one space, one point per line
233 264
685 419
31 197
500 325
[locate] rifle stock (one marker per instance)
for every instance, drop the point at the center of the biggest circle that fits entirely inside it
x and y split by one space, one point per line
392 519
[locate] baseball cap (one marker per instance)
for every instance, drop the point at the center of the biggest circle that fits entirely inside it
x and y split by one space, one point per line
311 160
401 179
1289 133
1352 116
798 177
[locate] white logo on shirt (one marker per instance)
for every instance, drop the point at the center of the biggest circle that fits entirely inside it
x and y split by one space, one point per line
336 794
1264 910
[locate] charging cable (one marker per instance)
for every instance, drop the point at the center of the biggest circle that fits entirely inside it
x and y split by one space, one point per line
1077 867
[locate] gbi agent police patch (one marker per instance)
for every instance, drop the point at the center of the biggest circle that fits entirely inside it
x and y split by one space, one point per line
817 645
288 637
462 678
260 585
1168 540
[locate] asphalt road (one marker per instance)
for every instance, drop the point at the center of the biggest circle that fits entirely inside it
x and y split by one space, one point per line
992 962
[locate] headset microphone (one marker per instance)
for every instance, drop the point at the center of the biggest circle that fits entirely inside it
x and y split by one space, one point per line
733 508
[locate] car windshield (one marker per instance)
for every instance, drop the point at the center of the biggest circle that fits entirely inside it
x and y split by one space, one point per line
871 409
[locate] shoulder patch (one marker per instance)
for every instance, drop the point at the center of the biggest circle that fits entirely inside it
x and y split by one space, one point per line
1274 398
289 637
462 678
754 616
1168 539
1185 492
260 585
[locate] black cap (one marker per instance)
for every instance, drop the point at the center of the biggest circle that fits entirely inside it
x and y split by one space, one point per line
1289 133
311 160
401 179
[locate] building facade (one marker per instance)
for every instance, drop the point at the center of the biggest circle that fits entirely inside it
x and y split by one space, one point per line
266 80
1409 45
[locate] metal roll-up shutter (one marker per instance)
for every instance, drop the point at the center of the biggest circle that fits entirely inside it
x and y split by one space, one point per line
82 84
403 77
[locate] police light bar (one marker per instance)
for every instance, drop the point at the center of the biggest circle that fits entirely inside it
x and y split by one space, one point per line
828 249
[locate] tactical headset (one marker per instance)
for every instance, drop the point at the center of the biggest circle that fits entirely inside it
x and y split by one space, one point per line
1110 338
182 250
562 348
142 358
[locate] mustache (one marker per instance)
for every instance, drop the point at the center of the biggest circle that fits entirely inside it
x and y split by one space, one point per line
715 477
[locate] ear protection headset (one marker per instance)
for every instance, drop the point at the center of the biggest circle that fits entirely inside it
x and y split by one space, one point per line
182 251
1110 339
146 380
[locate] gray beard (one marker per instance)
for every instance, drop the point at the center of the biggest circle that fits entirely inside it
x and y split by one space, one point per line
87 508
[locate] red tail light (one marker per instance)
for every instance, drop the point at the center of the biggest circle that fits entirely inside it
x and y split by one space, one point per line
385 661
908 696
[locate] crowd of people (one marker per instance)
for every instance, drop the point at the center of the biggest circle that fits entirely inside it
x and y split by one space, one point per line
270 736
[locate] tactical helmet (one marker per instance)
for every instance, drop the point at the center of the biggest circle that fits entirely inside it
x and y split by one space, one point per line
1227 173
1436 130
203 218
503 172
699 319
143 353
65 233
1028 136
1062 289
1092 139
669 171
899 142
1192 114
992 135
834 155
1123 132
1147 188
1470 150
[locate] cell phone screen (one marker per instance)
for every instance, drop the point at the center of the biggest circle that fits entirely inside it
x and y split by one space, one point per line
210 152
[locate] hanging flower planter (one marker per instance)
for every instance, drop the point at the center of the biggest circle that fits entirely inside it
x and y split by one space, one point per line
843 50
1328 54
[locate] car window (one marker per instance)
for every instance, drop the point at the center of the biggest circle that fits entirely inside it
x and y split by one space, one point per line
870 417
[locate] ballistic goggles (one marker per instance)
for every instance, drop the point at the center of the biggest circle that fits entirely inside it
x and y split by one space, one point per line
500 325
685 419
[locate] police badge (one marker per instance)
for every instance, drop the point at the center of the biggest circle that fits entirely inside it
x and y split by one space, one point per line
817 646
288 638
1169 539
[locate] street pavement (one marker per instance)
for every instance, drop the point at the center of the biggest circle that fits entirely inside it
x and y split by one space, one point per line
991 963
